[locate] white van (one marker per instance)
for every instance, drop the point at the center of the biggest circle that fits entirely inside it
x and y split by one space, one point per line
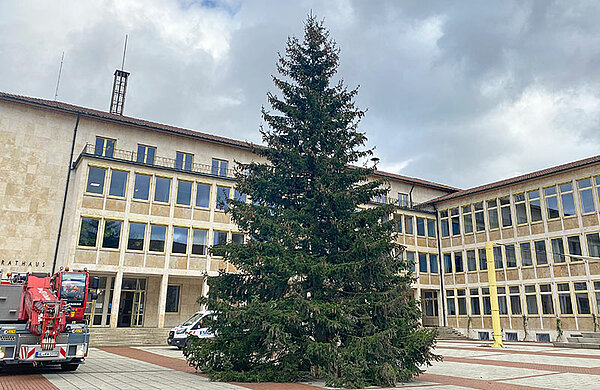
194 326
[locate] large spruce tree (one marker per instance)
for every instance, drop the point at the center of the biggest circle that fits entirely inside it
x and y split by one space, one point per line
320 290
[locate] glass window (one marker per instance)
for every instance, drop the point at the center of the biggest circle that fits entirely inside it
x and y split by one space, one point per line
408 224
237 195
402 200
574 247
95 183
511 256
423 263
220 238
467 219
546 299
479 219
172 303
455 222
141 187
118 183
515 300
586 195
535 208
137 232
203 195
398 223
551 202
520 208
540 252
458 262
564 298
462 303
184 161
487 305
526 259
492 207
444 223
146 154
104 147
593 242
433 263
498 260
447 263
410 260
112 234
482 259
219 167
237 238
180 237
184 192
157 238
581 298
566 197
502 305
475 307
471 261
222 197
199 242
162 191
531 300
431 228
597 292
505 208
558 250
420 227
451 303
89 232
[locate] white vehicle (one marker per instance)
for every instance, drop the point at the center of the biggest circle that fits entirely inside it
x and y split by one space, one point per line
193 326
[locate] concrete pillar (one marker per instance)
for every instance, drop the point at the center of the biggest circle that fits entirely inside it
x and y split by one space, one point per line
162 300
114 311
204 291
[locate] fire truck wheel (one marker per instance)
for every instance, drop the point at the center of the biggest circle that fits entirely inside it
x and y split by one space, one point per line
69 366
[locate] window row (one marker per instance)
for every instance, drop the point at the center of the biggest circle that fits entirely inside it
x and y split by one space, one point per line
567 299
522 208
408 224
150 237
160 187
559 250
428 262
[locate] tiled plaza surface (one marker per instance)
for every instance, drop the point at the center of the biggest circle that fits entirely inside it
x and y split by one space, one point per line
466 365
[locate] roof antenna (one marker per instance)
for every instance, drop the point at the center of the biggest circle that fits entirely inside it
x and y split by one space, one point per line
117 99
124 51
59 72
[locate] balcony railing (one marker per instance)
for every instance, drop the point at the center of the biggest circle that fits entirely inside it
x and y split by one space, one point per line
161 162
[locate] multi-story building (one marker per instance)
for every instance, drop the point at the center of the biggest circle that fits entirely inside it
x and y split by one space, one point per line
138 203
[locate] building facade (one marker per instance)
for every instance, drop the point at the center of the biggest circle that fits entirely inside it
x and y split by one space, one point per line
139 203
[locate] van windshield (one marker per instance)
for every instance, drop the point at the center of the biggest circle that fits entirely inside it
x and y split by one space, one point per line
192 319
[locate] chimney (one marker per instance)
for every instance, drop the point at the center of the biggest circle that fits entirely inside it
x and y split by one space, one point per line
117 100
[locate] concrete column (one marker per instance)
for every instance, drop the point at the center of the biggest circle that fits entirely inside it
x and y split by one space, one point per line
114 311
162 300
204 291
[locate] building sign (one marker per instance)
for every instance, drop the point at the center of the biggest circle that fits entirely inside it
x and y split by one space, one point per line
14 265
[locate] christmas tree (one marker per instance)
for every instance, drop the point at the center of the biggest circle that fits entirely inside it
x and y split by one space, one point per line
321 289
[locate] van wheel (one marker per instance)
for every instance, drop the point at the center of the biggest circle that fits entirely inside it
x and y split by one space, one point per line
68 366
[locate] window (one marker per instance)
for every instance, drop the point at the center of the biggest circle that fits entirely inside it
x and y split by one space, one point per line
89 232
520 208
157 238
141 187
220 238
402 199
137 232
526 259
467 219
542 337
586 195
487 304
420 227
408 224
564 298
566 197
597 289
546 299
444 223
180 237
95 183
597 180
219 167
450 302
237 195
433 263
410 260
118 183
531 300
203 195
551 202
505 209
558 250
581 298
184 192
398 223
162 191
511 336
515 300
502 305
199 242
574 247
511 256
382 199
479 219
535 208
112 234
458 262
237 238
482 259
172 303
593 242
423 263
455 222
498 260
222 197
540 252
471 261
104 147
184 161
447 263
462 302
431 228
475 307
492 207
146 154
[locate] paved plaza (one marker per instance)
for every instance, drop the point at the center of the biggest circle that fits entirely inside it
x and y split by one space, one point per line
466 365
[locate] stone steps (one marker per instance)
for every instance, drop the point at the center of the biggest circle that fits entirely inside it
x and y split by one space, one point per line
448 333
587 340
112 337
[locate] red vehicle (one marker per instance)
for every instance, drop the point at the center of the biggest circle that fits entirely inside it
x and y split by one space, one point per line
42 318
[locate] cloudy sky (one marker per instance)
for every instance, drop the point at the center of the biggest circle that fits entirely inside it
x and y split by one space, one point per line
462 93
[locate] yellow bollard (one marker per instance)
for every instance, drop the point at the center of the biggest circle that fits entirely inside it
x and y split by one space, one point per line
491 269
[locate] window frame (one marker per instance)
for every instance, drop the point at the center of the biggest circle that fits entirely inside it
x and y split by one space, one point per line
129 223
191 197
150 186
187 240
165 238
105 146
124 196
98 220
178 299
87 180
156 179
219 167
144 160
121 223
186 159
580 192
205 249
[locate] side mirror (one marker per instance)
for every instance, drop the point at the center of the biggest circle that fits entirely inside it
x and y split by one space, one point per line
95 283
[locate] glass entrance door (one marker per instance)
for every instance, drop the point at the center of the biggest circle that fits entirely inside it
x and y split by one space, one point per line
429 303
131 304
137 310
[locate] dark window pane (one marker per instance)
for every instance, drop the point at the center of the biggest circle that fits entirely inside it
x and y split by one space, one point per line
420 227
451 305
445 228
475 308
532 307
422 263
558 250
157 238
203 195
568 204
162 191
498 260
408 224
471 261
547 304
505 209
458 262
593 241
431 228
95 183
574 247
551 202
540 252
410 260
515 304
493 218
180 236
141 188
137 231
222 197
239 196
237 238
199 242
172 303
433 264
455 226
479 221
511 257
118 183
526 259
220 238
88 232
112 234
482 260
184 192
447 263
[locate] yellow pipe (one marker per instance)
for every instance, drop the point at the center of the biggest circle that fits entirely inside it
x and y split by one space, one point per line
491 269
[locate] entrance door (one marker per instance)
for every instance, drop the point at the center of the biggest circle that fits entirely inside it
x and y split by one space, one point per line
429 304
125 309
131 307
137 312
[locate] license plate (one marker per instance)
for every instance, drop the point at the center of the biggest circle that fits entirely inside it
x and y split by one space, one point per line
46 354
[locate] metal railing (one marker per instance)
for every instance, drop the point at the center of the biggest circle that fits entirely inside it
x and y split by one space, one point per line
162 162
